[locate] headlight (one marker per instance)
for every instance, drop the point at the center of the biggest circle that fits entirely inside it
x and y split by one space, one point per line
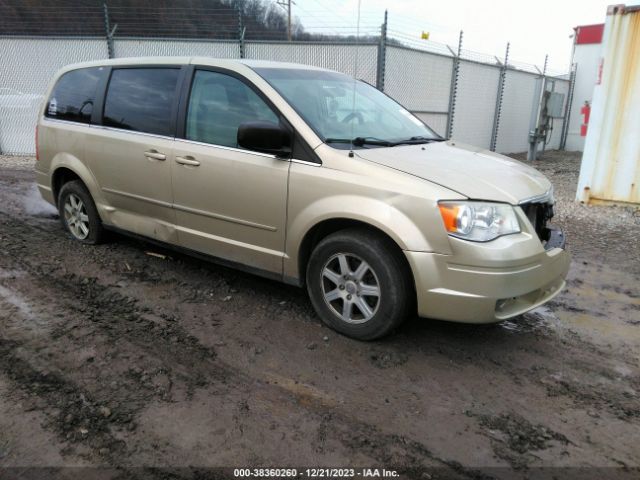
479 221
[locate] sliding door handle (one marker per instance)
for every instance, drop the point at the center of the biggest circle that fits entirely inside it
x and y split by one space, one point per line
155 155
187 160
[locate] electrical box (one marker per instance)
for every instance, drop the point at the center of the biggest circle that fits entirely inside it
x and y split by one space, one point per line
555 102
547 105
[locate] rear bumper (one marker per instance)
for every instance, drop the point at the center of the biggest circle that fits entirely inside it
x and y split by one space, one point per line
449 290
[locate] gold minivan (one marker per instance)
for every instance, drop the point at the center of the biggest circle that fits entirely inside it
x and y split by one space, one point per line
303 175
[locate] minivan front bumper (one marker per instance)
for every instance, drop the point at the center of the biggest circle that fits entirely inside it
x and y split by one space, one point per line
448 289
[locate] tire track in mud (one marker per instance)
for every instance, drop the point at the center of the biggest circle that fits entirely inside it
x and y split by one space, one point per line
95 309
122 327
118 316
79 417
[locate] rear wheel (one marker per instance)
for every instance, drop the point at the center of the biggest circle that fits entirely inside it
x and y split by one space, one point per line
78 213
359 284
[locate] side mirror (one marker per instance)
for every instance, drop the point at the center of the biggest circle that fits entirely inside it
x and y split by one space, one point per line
265 137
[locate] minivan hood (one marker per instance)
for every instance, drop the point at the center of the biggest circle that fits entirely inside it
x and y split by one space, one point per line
473 172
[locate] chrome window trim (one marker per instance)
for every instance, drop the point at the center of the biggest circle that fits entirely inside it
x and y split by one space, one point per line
306 162
183 140
233 149
135 132
64 122
103 127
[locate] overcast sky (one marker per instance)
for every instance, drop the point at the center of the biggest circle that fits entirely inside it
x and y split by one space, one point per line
534 27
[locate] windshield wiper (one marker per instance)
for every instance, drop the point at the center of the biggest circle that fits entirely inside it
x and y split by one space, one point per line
418 140
361 141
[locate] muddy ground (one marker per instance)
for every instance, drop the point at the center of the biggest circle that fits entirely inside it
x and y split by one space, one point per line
113 358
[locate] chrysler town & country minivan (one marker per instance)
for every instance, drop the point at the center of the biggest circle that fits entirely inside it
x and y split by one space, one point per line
303 175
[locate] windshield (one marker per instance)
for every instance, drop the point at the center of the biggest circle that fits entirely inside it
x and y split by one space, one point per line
326 102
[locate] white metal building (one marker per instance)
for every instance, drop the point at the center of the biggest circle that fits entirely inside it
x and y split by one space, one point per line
587 51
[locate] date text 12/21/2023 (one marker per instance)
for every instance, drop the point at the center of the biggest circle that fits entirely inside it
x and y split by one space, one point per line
333 473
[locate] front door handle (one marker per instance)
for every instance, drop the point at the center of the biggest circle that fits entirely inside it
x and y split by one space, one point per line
155 155
188 160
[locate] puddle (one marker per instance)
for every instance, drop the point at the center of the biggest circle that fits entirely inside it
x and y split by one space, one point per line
539 319
609 293
600 303
604 327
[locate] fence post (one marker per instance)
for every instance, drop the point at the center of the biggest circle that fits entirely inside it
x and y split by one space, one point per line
108 32
241 31
500 94
382 55
567 109
534 128
544 87
453 89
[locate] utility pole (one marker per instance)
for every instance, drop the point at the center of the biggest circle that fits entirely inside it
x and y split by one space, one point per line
286 5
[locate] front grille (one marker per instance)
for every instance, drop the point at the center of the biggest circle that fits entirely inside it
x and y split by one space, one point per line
539 215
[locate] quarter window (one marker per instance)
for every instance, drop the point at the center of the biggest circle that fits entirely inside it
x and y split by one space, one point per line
218 104
141 99
73 96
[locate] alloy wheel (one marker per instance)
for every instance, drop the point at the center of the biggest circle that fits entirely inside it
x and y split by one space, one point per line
350 288
75 214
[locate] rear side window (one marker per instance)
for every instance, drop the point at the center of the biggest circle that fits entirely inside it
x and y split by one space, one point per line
141 99
73 96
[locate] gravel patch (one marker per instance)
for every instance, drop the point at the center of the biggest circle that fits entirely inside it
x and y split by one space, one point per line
17 162
611 232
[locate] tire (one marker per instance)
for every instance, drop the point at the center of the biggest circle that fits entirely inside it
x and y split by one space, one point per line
330 291
79 215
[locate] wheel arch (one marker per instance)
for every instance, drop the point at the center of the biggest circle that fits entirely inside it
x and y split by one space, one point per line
65 168
61 176
326 227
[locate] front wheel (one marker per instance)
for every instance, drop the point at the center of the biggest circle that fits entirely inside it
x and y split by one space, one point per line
359 283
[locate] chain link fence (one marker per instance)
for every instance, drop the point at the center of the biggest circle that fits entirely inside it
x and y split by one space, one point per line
421 82
26 68
175 48
475 103
340 57
518 101
457 94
